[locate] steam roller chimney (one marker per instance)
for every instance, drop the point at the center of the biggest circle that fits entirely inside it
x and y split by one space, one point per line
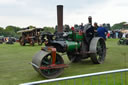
60 18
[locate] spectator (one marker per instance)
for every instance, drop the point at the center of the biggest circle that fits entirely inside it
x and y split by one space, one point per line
102 32
120 34
113 34
81 27
116 34
76 27
108 35
95 29
124 35
95 26
72 28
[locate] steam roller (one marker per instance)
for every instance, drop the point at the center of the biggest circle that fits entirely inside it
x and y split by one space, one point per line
77 44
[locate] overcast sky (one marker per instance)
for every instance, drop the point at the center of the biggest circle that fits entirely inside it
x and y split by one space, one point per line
41 13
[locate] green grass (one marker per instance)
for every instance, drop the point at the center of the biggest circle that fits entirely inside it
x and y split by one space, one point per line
113 79
15 67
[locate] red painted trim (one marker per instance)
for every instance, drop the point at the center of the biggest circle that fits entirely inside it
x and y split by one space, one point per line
54 66
53 55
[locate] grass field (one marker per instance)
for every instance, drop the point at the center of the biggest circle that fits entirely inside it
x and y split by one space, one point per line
15 59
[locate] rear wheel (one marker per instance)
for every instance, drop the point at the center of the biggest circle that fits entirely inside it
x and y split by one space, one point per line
99 50
73 57
22 41
39 42
32 42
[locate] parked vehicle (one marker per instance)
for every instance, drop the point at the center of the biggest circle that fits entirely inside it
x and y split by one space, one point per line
30 36
9 40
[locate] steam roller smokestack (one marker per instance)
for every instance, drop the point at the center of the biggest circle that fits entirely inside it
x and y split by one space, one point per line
60 18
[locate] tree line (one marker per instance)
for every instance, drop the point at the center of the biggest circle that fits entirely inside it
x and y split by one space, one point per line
11 31
118 26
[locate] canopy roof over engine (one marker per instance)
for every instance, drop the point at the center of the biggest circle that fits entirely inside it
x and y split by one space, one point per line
124 31
29 30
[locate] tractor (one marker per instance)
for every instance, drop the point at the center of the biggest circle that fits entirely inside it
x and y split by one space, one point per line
9 40
77 44
123 41
31 36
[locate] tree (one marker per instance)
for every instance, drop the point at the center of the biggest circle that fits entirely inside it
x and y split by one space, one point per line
66 28
49 29
30 27
119 26
107 26
1 31
11 31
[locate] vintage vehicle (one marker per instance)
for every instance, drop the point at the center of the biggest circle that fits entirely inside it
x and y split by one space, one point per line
78 45
9 40
123 41
30 36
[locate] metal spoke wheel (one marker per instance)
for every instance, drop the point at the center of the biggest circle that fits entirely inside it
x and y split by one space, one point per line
98 50
51 73
32 42
22 41
39 41
46 61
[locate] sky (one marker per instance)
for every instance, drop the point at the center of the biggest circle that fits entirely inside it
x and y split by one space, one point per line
40 13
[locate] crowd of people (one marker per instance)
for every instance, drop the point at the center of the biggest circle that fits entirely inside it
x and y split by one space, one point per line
94 30
103 32
117 34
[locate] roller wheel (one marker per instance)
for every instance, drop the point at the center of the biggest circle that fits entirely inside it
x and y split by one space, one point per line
52 73
119 43
99 50
73 58
39 42
22 42
44 58
32 42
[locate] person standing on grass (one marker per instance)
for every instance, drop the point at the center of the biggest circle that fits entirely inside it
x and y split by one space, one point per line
102 32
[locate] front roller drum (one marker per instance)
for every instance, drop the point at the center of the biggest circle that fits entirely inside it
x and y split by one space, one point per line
42 63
